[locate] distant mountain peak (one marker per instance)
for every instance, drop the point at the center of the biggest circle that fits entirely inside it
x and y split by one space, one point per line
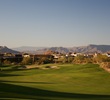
5 49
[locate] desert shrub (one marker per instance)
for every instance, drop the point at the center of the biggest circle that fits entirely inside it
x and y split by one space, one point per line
44 60
101 58
6 62
105 64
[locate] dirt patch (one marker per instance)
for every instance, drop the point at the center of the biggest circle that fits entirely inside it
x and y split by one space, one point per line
51 67
32 66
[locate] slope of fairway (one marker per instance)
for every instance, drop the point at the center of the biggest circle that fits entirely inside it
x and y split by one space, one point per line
69 82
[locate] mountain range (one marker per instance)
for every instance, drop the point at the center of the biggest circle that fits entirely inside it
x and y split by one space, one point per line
81 49
40 50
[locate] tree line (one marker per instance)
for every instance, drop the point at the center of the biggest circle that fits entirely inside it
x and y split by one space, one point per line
79 59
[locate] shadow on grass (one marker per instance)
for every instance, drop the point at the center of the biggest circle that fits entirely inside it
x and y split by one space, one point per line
2 74
27 82
23 92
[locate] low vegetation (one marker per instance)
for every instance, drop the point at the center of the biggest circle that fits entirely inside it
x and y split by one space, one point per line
67 82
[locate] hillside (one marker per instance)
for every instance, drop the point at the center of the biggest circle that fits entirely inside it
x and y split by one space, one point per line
30 49
4 49
83 49
27 48
92 49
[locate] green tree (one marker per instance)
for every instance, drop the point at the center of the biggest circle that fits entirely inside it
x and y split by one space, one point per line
88 60
62 59
1 61
79 59
70 59
26 61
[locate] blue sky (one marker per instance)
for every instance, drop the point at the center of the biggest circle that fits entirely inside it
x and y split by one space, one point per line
49 23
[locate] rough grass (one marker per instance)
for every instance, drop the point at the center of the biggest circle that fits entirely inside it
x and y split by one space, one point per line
69 82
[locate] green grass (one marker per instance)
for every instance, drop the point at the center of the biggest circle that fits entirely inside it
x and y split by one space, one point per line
69 82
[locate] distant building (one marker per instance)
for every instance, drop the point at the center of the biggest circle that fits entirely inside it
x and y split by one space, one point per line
107 54
26 55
